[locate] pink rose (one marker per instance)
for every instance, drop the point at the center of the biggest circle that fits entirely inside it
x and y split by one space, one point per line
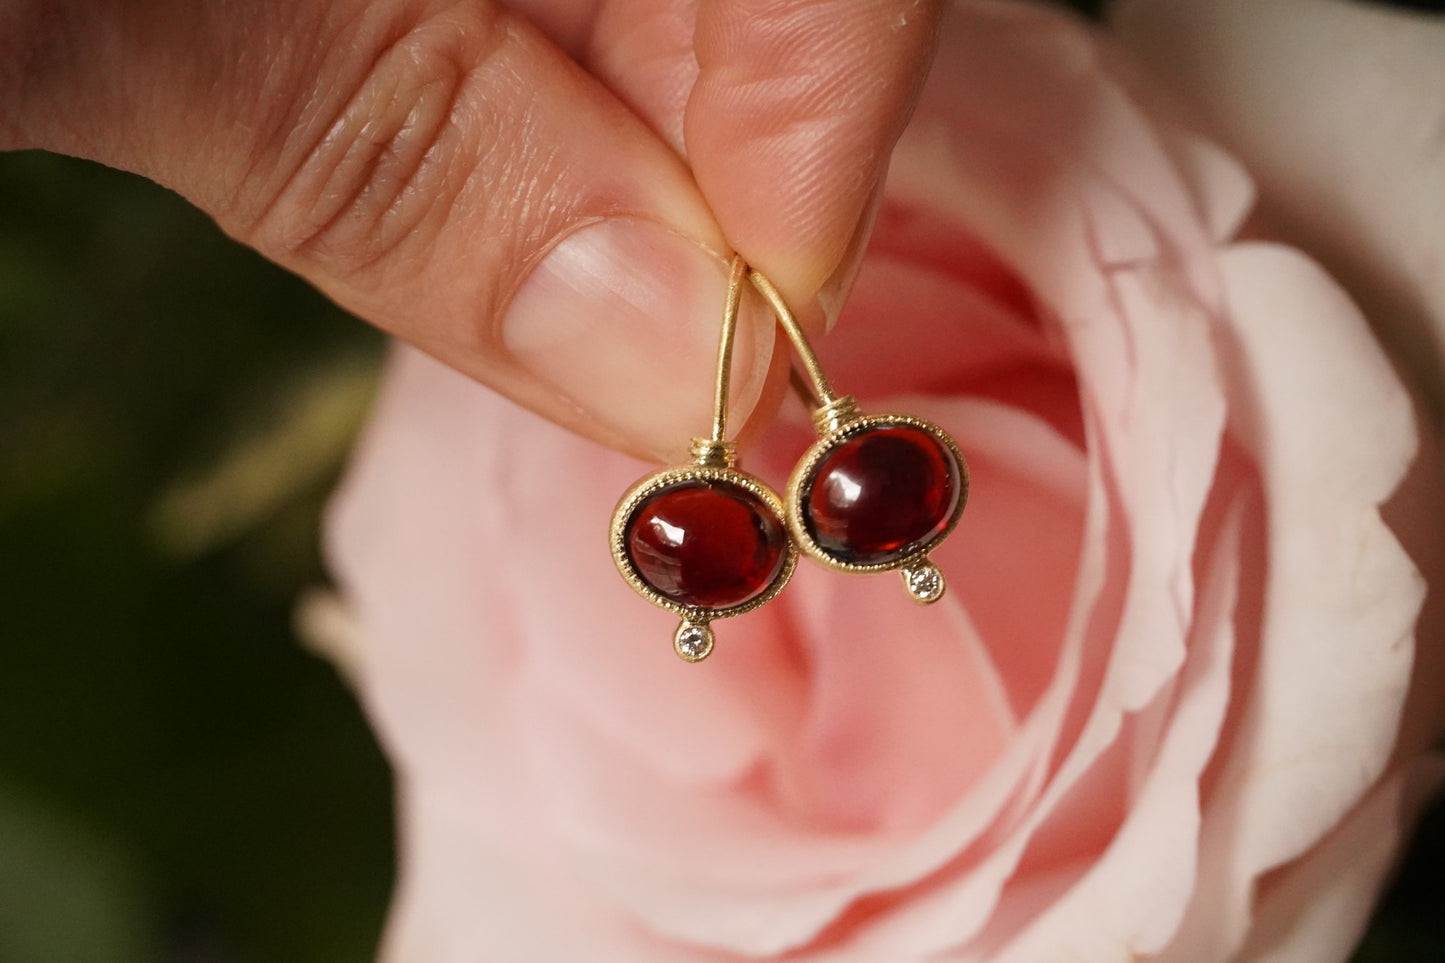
1155 715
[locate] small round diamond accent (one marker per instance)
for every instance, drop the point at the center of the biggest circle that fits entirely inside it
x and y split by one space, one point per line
693 642
924 581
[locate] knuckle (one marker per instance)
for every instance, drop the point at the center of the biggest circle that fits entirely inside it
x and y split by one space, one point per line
382 176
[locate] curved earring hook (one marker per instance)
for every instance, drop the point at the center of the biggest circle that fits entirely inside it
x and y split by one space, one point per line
822 389
725 349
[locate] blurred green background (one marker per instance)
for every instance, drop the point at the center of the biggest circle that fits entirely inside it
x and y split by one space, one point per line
181 780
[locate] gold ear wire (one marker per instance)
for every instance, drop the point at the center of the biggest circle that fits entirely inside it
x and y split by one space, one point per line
833 410
736 273
822 389
717 450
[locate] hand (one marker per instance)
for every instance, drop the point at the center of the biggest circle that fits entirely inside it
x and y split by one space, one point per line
541 195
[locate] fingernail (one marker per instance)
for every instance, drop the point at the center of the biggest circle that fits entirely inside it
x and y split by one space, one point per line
834 291
620 321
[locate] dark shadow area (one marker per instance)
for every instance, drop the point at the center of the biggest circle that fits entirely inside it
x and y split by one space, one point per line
179 779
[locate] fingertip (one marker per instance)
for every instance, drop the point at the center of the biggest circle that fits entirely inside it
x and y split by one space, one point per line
792 122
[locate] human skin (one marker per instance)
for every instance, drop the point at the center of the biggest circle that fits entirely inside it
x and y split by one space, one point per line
542 195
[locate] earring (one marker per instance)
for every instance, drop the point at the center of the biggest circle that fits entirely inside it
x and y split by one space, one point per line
705 540
874 493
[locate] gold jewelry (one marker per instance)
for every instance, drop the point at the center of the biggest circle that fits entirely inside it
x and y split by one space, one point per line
875 492
705 540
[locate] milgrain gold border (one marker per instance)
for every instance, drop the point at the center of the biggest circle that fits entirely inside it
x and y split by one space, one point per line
825 444
634 497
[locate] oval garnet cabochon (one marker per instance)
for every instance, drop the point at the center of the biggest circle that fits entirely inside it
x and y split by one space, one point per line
705 543
881 495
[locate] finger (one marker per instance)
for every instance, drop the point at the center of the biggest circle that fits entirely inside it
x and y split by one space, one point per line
790 125
440 169
643 51
787 112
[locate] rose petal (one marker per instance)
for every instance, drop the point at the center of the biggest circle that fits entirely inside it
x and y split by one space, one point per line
959 333
463 894
1332 432
1416 514
409 529
1023 136
1163 478
1130 898
1315 910
1131 895
1222 189
736 870
1336 108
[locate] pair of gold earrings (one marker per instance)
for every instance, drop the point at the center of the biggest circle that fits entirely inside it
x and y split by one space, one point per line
874 493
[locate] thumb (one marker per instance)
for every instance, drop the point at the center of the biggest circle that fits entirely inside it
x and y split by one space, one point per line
440 169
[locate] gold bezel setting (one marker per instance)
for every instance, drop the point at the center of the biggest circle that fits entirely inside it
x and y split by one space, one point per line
638 494
914 562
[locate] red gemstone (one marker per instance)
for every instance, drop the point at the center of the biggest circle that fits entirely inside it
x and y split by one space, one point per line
710 544
882 495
